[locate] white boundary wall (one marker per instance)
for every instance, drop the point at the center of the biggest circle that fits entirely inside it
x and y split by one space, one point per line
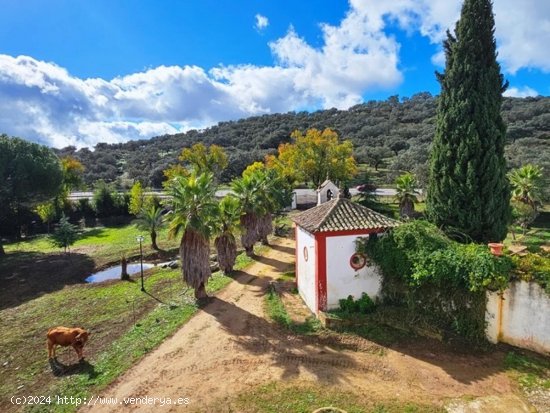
306 269
342 279
520 317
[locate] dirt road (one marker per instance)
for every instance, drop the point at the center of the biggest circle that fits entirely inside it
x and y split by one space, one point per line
230 347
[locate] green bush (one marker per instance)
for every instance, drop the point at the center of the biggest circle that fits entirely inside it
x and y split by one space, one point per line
430 274
534 267
106 202
363 305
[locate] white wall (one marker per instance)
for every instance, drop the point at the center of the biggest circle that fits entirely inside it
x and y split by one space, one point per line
523 320
322 194
342 279
306 269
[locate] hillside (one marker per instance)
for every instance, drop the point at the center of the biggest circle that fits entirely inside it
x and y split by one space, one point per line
395 133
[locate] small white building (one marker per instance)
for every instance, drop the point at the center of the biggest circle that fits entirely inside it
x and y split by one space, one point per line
327 191
327 266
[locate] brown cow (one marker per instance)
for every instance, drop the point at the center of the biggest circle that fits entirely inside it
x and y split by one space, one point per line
64 336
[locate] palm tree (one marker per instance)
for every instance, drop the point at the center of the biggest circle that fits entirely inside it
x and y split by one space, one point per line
405 185
151 219
248 192
227 222
275 195
526 184
193 210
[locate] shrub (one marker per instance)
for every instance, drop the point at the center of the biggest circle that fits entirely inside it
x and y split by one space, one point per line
106 202
430 274
363 305
534 267
65 234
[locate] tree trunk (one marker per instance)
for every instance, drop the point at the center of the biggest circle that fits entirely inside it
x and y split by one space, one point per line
200 292
195 265
154 240
124 270
226 249
249 235
406 208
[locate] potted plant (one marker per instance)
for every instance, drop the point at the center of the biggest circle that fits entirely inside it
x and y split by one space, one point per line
496 248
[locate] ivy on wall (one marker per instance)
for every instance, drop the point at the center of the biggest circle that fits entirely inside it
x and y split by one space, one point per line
433 276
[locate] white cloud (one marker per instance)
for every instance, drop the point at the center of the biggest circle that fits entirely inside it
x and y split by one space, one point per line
44 102
522 28
261 22
521 92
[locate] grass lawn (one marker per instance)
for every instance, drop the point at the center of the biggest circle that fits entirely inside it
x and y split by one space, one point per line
536 236
124 323
46 289
104 244
304 398
34 267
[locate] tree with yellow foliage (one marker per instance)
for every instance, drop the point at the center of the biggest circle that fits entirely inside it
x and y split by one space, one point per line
315 156
200 160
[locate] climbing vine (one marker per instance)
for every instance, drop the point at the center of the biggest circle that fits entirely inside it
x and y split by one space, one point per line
429 274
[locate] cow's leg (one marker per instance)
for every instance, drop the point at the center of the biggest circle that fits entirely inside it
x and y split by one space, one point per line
51 349
78 350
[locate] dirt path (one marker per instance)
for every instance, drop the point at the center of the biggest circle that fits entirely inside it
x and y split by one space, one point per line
229 347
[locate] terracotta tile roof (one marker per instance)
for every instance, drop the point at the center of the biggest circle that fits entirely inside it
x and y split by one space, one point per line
342 214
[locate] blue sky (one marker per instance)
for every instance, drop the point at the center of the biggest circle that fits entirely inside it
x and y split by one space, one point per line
82 72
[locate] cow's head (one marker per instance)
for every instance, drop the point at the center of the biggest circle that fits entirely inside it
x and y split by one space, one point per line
81 338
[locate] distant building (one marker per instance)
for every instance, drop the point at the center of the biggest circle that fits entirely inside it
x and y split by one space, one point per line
327 266
327 191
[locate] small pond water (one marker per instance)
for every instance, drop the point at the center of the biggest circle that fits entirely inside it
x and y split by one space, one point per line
113 273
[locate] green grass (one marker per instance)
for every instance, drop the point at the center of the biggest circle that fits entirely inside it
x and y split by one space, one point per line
281 397
125 324
288 276
531 372
105 244
536 236
143 337
276 311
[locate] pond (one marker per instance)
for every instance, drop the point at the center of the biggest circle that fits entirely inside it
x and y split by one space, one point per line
113 273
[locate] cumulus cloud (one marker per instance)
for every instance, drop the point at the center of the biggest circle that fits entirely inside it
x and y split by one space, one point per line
44 102
521 92
261 22
522 29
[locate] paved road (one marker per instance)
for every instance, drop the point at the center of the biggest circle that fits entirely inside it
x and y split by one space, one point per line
73 196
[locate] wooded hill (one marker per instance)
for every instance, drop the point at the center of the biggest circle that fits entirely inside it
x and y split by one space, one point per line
393 133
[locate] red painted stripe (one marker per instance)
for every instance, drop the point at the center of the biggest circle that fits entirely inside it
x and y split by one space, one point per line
296 257
321 272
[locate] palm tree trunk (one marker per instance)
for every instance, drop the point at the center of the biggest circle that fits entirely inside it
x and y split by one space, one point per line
154 240
407 208
195 261
226 248
265 227
200 292
249 236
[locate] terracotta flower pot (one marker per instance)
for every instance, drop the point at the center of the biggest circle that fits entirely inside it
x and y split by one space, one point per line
496 248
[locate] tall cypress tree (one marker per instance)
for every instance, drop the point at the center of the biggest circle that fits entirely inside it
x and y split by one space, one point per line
468 191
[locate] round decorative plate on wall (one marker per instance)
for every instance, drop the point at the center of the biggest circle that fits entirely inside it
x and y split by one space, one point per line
357 261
